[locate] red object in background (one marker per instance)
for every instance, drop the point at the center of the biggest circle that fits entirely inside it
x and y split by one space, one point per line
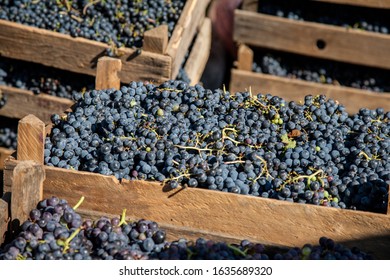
223 49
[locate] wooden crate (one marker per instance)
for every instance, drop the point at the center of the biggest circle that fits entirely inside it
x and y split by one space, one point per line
243 79
310 38
21 103
189 212
158 61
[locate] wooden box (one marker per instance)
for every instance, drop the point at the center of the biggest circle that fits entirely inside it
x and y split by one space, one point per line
188 212
158 61
243 78
313 39
21 103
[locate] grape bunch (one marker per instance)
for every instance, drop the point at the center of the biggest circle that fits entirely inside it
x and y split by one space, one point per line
119 23
41 79
55 231
8 133
203 249
260 145
321 71
363 18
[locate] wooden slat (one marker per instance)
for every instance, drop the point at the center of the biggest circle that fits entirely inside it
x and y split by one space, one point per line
185 30
365 3
314 39
3 219
250 5
107 73
244 58
77 54
199 55
21 103
156 39
245 217
293 89
31 139
27 189
4 153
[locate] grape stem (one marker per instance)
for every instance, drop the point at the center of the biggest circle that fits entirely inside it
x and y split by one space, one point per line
79 203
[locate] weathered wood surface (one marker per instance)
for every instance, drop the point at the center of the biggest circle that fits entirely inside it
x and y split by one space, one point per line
156 39
314 39
250 5
4 153
185 30
244 58
365 3
21 103
31 139
239 216
27 189
3 219
77 54
200 52
294 89
107 73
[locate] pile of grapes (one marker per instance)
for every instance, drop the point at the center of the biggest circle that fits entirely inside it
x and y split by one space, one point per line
321 71
55 231
308 152
118 23
8 132
41 79
363 18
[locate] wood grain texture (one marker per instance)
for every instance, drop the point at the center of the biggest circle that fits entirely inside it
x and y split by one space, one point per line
340 44
21 103
107 73
365 3
192 15
4 153
244 58
244 217
3 219
156 39
31 139
200 52
77 54
250 5
293 89
27 188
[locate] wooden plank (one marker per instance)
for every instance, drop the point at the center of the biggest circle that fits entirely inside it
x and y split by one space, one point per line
294 89
250 5
314 39
31 139
27 188
254 218
4 153
77 54
107 73
384 4
21 103
199 55
185 30
244 58
156 39
3 219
